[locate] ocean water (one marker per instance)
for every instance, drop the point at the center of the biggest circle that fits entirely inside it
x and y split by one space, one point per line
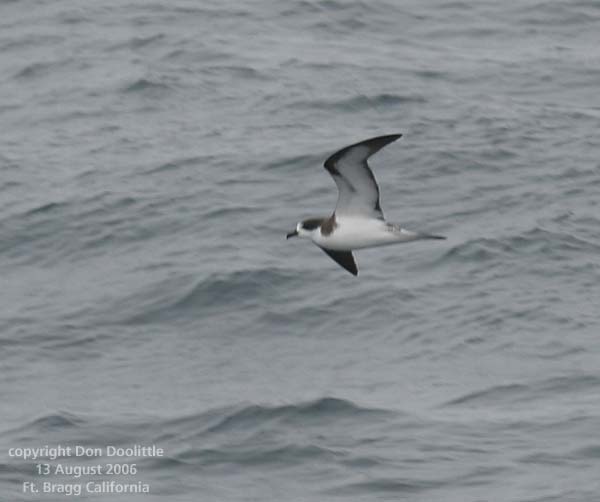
155 153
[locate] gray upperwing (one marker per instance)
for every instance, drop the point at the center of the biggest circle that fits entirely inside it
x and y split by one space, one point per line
358 190
344 259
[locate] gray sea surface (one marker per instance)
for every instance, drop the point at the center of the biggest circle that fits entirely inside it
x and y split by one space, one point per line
154 154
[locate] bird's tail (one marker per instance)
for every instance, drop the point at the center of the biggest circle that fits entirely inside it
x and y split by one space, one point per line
409 235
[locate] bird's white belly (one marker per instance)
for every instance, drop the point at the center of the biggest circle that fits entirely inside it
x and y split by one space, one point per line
358 233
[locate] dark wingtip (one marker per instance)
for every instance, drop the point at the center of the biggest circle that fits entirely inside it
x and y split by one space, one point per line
376 144
387 138
393 137
353 271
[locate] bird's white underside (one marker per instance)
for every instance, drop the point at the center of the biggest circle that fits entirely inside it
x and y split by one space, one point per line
361 232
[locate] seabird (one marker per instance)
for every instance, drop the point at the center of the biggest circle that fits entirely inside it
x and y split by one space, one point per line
357 221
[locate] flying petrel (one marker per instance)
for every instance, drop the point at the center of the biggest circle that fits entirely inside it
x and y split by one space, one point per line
357 221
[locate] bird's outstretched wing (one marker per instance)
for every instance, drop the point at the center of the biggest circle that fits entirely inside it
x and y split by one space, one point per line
344 259
358 190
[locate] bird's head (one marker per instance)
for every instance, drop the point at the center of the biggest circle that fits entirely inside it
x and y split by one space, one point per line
306 228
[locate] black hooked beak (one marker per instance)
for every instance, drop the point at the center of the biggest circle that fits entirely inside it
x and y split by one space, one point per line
292 234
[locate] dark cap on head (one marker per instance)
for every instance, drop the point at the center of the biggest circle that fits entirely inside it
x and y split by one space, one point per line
312 223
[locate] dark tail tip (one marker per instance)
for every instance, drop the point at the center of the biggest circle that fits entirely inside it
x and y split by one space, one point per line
441 237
